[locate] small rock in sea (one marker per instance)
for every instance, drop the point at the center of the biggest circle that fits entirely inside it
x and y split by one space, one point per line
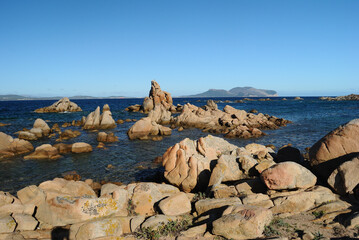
134 120
4 124
128 120
271 146
180 129
71 175
120 121
253 111
158 160
101 145
109 166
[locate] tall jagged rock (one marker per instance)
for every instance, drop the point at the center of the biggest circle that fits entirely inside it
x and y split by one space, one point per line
63 105
156 97
95 120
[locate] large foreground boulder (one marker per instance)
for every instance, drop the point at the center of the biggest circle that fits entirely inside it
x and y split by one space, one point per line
288 175
345 178
336 147
63 105
10 147
95 120
242 222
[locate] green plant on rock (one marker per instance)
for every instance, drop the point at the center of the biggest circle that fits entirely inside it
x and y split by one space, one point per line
172 228
199 196
275 225
131 208
317 235
318 214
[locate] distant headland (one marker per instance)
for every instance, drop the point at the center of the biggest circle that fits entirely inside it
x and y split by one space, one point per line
237 92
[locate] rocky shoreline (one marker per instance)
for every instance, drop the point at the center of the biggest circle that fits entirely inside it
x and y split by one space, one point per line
211 190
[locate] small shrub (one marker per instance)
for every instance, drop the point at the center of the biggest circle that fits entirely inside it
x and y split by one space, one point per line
172 228
318 214
131 208
270 231
199 196
317 235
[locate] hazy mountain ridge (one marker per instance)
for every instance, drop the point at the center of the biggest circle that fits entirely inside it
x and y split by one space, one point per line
237 92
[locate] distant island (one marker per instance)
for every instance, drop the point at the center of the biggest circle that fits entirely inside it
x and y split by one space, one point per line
237 92
13 97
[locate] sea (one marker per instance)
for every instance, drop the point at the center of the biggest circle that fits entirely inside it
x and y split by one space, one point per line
133 160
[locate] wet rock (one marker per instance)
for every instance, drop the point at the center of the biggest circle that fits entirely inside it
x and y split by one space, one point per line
10 147
288 175
81 147
68 133
104 137
63 148
242 222
71 175
63 105
45 151
145 128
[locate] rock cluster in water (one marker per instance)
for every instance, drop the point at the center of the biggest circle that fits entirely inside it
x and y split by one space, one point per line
245 189
231 122
63 105
155 97
351 97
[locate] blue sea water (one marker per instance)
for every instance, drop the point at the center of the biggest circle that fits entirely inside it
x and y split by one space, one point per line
132 159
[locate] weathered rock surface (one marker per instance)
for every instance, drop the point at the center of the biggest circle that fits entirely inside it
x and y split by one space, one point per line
147 128
205 205
68 133
336 147
210 161
97 229
81 147
45 151
156 97
40 129
345 178
63 105
350 97
230 121
95 120
10 147
242 222
187 164
106 137
177 204
288 175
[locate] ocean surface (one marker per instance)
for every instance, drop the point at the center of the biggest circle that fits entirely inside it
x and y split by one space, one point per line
133 159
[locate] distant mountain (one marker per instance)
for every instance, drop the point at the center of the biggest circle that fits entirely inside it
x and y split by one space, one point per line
13 97
237 92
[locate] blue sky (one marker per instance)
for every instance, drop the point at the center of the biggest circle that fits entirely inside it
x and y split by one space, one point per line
105 48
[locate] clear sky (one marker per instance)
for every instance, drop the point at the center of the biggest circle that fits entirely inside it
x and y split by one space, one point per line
116 47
